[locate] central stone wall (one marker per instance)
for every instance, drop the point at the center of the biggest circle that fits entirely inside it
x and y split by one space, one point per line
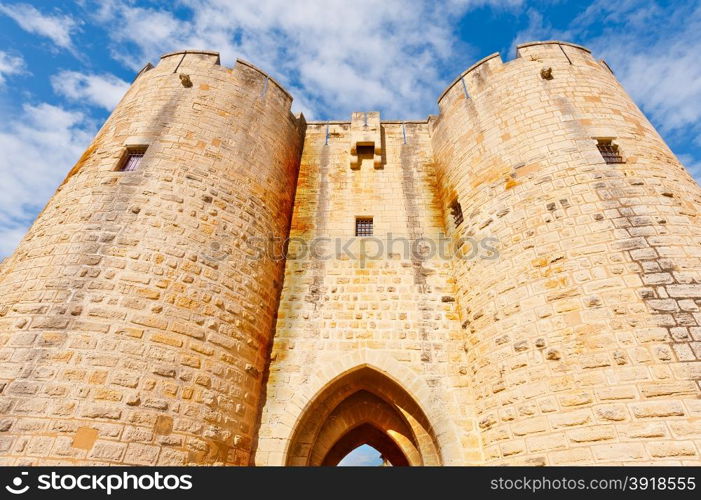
394 313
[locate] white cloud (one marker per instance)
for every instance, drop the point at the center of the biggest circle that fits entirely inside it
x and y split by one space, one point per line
336 56
39 146
658 66
103 90
10 65
57 28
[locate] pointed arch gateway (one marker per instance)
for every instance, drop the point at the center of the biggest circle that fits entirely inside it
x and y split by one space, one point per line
363 406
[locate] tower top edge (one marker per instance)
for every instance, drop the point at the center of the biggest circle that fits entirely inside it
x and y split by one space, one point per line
194 51
497 55
553 42
217 62
266 75
462 75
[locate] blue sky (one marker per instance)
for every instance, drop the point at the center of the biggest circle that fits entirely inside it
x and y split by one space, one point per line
64 65
364 455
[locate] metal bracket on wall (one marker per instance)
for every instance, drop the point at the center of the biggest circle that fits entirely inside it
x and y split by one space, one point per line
180 62
464 88
563 51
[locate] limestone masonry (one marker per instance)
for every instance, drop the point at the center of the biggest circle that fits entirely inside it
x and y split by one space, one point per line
149 317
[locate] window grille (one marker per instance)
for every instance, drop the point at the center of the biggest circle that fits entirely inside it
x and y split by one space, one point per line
456 212
132 159
363 226
609 151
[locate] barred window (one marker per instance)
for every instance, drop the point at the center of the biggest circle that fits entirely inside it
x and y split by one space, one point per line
609 151
132 159
363 226
456 212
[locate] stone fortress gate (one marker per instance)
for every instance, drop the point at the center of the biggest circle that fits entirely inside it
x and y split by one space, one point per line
148 316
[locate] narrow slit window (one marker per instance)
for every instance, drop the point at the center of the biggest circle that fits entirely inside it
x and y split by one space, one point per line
363 226
132 159
456 212
609 151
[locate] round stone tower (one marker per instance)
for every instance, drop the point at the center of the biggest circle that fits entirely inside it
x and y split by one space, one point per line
138 310
582 332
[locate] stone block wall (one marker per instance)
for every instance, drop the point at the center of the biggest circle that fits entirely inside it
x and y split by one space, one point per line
393 311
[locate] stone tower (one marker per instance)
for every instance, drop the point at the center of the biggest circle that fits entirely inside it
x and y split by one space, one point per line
134 328
579 338
524 287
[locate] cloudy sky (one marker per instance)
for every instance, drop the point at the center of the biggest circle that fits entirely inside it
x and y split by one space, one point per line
64 64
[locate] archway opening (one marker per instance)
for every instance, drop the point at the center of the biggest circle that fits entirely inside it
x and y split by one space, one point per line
366 434
361 407
363 456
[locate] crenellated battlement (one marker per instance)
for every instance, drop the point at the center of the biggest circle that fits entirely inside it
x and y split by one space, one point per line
471 80
202 62
188 58
468 83
265 76
469 70
547 44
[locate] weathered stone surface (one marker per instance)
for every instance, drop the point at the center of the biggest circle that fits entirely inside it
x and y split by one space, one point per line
144 311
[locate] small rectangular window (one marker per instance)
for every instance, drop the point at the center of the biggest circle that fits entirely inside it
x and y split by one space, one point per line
363 226
132 159
456 212
609 151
